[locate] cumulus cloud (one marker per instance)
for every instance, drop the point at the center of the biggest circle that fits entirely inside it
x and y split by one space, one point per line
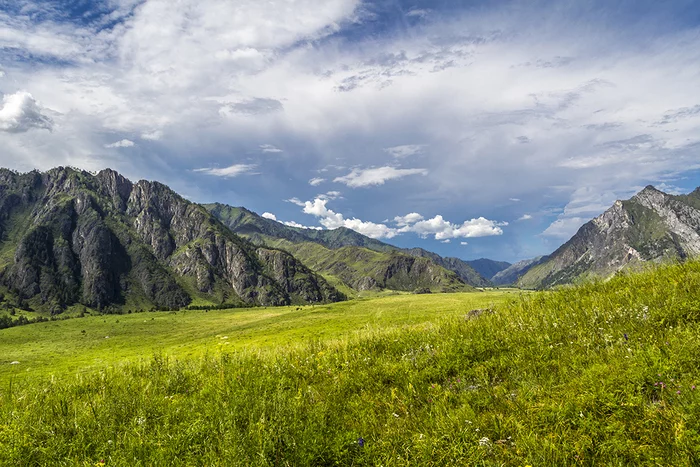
125 143
407 150
463 243
442 229
413 222
269 215
525 217
408 219
20 113
316 181
228 172
376 176
332 220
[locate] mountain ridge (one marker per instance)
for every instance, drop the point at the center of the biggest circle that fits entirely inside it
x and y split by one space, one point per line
650 227
268 231
71 237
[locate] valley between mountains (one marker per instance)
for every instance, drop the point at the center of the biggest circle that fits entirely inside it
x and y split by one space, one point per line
72 241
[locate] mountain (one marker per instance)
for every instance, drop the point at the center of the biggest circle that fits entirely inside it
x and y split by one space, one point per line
351 259
512 273
69 237
487 267
652 226
458 266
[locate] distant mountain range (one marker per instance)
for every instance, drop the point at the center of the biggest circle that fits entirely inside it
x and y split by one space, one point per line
350 260
651 227
69 237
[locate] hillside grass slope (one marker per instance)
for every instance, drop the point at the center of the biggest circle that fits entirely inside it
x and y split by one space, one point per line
600 374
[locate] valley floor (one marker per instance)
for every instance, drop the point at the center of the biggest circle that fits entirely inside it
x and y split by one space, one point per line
601 374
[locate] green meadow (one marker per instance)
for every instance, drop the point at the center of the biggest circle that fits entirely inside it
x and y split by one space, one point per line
603 373
65 347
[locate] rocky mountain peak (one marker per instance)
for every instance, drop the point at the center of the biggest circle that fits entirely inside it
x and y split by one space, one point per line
652 226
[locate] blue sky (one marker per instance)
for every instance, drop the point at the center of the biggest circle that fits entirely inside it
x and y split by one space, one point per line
470 128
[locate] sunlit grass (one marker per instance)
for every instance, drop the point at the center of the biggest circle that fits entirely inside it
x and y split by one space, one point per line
602 374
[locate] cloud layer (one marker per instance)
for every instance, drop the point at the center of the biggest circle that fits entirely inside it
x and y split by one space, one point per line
457 111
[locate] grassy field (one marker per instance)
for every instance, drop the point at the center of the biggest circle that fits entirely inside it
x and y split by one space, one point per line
601 374
60 348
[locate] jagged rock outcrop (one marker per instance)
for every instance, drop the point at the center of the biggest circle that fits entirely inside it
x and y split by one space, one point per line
72 237
652 226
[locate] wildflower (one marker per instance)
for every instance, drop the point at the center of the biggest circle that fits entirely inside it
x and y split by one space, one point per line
484 441
100 463
14 363
626 338
678 392
395 415
692 387
361 442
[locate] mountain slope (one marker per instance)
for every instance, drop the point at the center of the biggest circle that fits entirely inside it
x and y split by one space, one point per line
488 268
652 226
512 273
341 252
70 237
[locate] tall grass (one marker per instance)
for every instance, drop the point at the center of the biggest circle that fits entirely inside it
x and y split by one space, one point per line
602 374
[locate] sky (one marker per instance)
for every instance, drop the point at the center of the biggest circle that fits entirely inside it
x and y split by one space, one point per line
469 128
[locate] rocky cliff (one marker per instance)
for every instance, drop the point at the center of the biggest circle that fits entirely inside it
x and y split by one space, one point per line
652 226
100 240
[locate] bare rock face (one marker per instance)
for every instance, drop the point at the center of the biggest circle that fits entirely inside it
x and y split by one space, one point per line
652 226
99 240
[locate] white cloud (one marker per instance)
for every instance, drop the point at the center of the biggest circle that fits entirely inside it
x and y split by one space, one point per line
296 201
437 226
407 150
125 143
463 243
269 148
408 219
331 195
332 220
316 181
171 66
269 215
20 113
376 176
442 229
154 135
525 217
418 13
228 172
300 226
446 241
515 200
